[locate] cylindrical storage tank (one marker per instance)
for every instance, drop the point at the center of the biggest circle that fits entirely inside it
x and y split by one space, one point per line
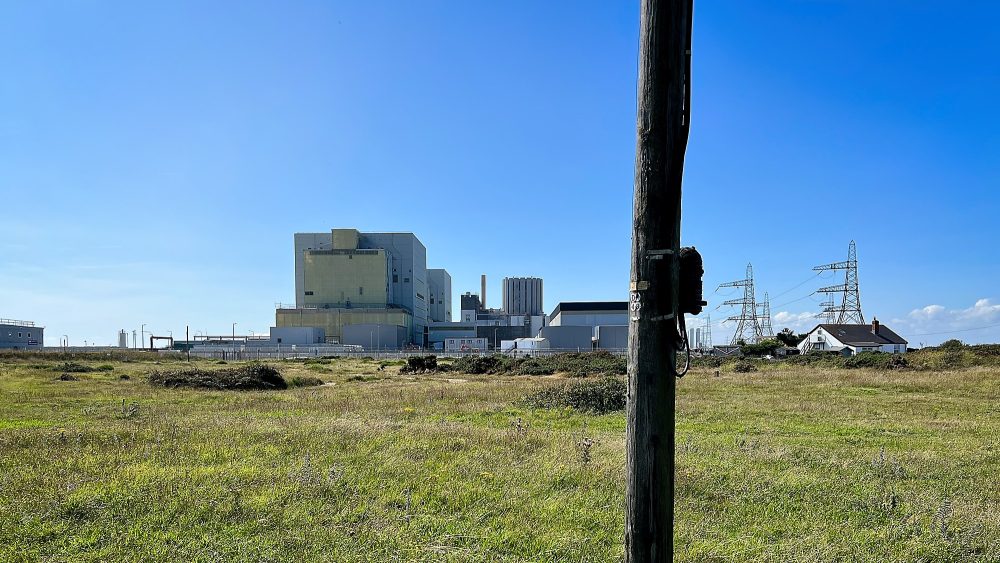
523 296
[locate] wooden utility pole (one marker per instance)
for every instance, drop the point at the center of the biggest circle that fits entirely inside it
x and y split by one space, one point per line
662 131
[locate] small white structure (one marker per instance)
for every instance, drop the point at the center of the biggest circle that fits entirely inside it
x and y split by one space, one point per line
523 346
852 339
465 344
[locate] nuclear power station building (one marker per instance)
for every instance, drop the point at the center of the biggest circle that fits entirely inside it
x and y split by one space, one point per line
374 283
523 296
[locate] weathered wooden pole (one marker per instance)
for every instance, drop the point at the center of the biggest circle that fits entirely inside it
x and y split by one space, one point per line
662 130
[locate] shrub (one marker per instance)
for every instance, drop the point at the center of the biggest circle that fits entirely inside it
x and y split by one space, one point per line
744 366
420 364
601 396
73 367
953 344
876 360
479 365
304 381
761 348
251 376
577 364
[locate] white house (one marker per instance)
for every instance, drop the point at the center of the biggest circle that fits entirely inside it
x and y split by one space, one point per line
852 339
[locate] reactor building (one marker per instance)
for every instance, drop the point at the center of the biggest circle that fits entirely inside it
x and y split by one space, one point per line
357 286
523 296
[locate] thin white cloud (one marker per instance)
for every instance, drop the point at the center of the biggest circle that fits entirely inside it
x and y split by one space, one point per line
935 323
799 322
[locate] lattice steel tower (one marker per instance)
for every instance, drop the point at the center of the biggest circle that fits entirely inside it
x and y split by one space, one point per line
765 318
829 312
849 311
706 332
747 324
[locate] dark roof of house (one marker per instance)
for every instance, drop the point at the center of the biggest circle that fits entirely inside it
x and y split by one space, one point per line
860 335
589 306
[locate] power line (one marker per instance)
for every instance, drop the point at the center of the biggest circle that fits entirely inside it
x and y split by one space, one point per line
807 280
956 330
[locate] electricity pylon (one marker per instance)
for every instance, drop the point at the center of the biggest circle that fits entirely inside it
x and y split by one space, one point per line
747 324
829 312
765 318
849 311
706 333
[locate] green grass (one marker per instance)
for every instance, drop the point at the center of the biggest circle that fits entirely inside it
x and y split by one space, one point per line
785 464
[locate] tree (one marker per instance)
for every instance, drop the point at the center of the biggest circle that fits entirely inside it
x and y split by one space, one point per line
788 337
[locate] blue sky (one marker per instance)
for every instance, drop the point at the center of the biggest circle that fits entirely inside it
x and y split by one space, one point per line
156 158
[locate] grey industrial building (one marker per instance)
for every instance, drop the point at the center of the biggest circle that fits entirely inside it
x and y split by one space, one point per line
439 293
523 296
21 335
345 277
586 325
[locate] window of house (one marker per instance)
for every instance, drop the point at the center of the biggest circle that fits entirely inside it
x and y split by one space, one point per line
406 280
19 335
309 293
395 278
361 290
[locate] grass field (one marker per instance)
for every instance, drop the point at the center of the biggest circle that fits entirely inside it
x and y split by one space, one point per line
795 464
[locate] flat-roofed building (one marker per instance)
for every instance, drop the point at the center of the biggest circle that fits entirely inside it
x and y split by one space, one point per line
21 335
346 277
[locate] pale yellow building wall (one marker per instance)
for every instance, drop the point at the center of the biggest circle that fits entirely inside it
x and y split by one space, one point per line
337 278
333 320
345 239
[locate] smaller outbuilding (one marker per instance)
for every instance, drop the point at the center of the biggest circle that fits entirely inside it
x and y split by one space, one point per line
20 335
853 339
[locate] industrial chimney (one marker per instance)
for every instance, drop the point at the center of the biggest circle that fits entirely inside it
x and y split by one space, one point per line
483 295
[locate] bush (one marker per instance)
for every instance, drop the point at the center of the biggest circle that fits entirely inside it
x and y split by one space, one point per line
765 347
744 366
252 376
478 365
952 344
876 360
600 396
304 381
73 367
420 364
577 364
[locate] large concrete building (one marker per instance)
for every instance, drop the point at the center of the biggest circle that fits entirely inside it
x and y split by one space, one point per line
21 335
439 293
523 296
346 277
582 324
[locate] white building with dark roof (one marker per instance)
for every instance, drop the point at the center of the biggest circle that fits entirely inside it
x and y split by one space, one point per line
852 339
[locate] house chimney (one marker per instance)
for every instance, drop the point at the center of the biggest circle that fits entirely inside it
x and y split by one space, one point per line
874 326
483 279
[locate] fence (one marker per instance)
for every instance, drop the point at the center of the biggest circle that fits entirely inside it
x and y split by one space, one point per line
322 352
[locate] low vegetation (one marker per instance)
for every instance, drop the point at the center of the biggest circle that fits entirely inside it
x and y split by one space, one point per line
792 462
250 376
578 364
600 396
